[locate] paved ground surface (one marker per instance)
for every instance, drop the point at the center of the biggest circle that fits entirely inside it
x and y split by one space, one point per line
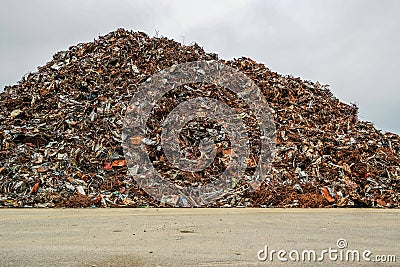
190 237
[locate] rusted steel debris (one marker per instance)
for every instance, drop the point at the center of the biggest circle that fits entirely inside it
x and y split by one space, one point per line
60 134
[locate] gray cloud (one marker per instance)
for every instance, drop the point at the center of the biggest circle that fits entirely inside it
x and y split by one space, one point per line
351 45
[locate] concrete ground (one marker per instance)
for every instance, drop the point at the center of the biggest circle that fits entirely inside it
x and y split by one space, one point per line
193 237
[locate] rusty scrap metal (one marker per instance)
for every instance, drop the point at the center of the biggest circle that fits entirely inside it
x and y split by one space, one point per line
60 134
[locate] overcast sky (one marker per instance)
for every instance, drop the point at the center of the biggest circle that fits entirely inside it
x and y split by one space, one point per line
351 45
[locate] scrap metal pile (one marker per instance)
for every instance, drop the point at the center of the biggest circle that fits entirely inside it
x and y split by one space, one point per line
60 134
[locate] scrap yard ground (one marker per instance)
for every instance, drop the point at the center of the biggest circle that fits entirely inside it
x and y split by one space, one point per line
192 237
